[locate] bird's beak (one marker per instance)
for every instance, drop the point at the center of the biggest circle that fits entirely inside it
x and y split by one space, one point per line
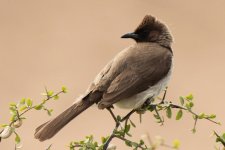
131 35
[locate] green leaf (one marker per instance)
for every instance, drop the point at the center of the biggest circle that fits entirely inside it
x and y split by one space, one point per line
212 116
179 114
17 139
201 116
176 144
38 107
12 108
22 101
181 100
142 142
23 108
133 125
156 116
169 112
193 130
127 128
134 144
4 125
49 111
118 118
128 143
129 134
223 136
64 89
29 102
13 118
191 104
13 104
50 93
95 144
56 97
188 106
103 139
189 97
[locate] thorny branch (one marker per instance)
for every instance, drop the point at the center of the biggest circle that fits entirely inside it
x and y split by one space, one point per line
122 125
18 110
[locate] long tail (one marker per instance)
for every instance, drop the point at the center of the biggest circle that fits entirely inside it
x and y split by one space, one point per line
50 128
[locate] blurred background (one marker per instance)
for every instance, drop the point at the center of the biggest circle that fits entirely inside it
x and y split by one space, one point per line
66 42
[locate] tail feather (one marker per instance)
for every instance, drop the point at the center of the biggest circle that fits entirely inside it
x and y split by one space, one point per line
50 128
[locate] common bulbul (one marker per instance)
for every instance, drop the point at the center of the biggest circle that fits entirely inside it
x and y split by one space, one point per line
139 72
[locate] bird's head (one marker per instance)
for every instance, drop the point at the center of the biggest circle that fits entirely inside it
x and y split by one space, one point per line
151 30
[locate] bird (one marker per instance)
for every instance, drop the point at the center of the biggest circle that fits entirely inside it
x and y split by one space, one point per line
137 73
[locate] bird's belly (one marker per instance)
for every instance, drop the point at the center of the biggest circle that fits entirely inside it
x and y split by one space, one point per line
138 100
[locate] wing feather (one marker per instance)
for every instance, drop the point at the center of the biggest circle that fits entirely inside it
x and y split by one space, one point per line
141 70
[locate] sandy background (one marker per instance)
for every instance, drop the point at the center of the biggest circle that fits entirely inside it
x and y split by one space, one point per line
54 42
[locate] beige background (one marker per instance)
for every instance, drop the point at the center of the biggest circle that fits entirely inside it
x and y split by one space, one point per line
66 42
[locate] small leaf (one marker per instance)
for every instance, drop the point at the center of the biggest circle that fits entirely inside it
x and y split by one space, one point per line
156 116
129 134
179 114
169 112
134 144
17 139
12 108
181 100
133 125
193 130
176 144
29 102
64 89
103 139
128 143
13 111
23 108
212 116
49 111
38 107
50 93
56 97
201 116
118 118
127 128
191 104
142 142
189 97
95 144
223 136
12 104
188 106
13 118
4 125
22 101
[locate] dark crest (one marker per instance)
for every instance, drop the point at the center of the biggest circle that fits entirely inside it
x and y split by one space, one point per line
149 29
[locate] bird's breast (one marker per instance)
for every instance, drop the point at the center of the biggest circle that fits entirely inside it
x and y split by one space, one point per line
138 100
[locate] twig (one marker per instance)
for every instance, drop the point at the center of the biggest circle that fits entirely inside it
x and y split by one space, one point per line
106 144
128 115
164 95
126 140
189 110
49 147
